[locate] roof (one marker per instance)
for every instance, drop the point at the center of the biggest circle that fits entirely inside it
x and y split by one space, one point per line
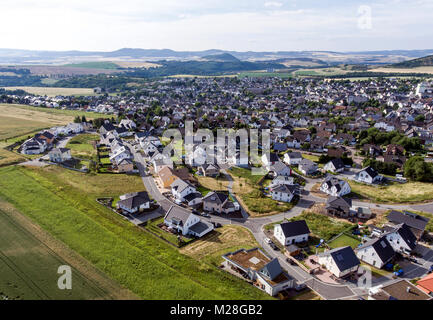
200 227
382 248
134 200
180 185
337 163
216 197
272 269
193 196
294 155
407 235
344 258
278 167
338 202
178 214
295 228
410 219
284 188
426 283
254 259
399 291
370 171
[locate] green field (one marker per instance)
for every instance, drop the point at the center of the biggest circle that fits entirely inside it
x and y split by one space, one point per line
94 65
81 146
11 126
265 74
147 266
28 268
343 241
323 226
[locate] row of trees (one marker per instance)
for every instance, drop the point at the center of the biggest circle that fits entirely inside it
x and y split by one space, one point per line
417 169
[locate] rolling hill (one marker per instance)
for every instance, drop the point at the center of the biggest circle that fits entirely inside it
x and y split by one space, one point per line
420 62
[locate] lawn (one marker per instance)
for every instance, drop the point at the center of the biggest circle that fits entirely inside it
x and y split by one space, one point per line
323 226
216 184
146 265
81 146
211 247
410 192
29 265
248 191
311 157
343 241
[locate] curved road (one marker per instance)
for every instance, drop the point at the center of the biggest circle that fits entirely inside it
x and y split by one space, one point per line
256 225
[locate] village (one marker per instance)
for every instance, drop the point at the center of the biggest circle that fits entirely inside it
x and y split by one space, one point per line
330 142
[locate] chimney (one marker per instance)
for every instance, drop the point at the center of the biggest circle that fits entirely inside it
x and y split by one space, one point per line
408 289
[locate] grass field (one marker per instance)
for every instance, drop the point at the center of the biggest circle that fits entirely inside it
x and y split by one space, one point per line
54 91
94 65
81 146
425 69
343 241
147 266
323 226
410 192
265 75
7 157
29 260
226 239
216 184
247 189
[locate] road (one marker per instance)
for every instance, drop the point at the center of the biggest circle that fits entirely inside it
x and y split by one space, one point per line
256 226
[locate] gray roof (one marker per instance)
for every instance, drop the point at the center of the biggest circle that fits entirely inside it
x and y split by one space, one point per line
199 227
284 188
180 185
410 219
333 181
407 235
294 155
344 257
338 202
272 269
178 214
134 200
215 197
192 196
337 163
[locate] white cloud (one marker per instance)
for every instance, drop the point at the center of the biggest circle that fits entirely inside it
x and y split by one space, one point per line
273 4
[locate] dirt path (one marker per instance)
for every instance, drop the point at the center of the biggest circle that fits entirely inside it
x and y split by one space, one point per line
114 290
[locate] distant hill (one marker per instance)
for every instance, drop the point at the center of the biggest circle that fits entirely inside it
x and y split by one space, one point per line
223 57
420 62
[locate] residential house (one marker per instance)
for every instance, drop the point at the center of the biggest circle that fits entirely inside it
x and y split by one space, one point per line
279 169
334 166
60 155
219 202
338 206
180 189
399 290
288 233
34 146
186 223
401 239
368 175
270 159
416 223
209 170
134 202
335 187
307 167
426 284
266 273
376 252
282 180
293 158
283 192
124 165
341 262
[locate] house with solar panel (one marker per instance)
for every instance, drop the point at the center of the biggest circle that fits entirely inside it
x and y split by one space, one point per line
265 273
341 262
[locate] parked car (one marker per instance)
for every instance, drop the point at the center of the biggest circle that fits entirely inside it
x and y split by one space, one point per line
216 225
273 246
293 263
268 241
399 273
431 269
206 215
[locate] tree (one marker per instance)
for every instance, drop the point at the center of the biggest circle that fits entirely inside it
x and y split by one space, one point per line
83 119
77 119
418 170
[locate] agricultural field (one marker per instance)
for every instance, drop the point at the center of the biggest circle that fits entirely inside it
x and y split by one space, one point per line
136 64
81 146
411 192
7 157
264 74
332 71
216 184
65 206
425 69
247 189
53 91
11 126
30 258
222 240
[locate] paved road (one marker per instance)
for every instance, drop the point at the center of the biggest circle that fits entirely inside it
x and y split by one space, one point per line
256 225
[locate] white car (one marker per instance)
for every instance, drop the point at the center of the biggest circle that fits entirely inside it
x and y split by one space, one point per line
268 241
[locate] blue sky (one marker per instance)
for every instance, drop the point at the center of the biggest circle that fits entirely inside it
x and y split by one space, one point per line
257 25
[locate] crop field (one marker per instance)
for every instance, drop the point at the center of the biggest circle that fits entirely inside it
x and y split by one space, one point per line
53 91
11 126
7 157
29 260
425 69
140 262
136 64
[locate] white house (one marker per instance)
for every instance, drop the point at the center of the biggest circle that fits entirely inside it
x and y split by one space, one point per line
186 222
148 147
292 158
282 180
335 165
307 167
34 146
283 192
376 252
368 175
180 189
60 155
269 159
401 239
339 261
119 155
134 202
288 233
335 187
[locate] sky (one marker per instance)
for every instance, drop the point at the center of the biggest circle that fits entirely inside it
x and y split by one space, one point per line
241 25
